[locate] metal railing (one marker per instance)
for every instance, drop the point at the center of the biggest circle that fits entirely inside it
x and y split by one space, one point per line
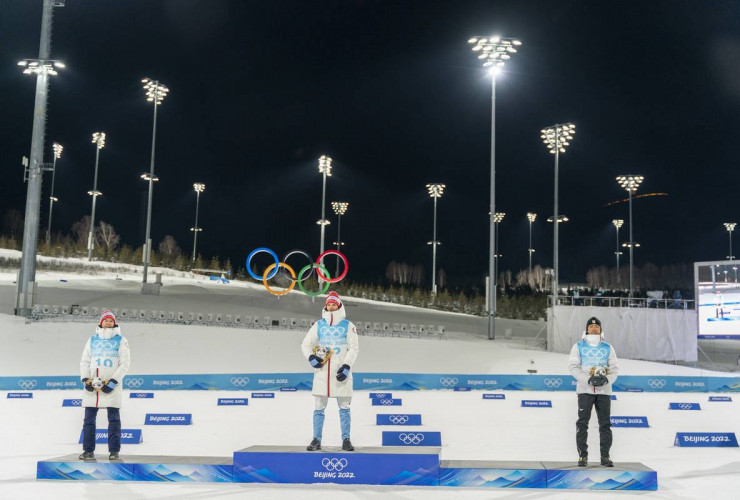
644 302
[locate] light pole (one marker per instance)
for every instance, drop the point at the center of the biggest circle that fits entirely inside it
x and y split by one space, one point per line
531 216
199 187
57 154
42 68
556 139
497 218
435 192
730 226
494 52
325 171
630 183
155 93
340 208
617 224
98 139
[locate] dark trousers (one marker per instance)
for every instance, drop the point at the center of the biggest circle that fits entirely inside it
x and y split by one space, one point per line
114 429
603 405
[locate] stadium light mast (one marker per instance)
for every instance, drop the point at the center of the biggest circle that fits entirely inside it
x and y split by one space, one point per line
57 154
730 226
617 224
325 171
155 93
531 216
199 187
556 139
340 208
497 218
630 183
98 138
435 192
494 51
42 67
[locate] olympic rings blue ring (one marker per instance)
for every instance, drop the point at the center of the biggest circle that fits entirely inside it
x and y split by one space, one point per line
256 251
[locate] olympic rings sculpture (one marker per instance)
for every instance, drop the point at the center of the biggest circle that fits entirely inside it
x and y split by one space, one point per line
273 269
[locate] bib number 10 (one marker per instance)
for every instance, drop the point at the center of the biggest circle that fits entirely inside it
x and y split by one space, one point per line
107 362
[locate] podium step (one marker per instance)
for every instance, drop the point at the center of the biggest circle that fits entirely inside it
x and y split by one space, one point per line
392 465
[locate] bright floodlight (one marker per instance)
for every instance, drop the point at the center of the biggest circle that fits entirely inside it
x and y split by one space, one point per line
57 150
531 216
154 90
494 51
618 223
730 226
146 177
339 207
630 182
39 65
498 217
561 218
99 139
628 245
556 137
325 165
435 190
199 187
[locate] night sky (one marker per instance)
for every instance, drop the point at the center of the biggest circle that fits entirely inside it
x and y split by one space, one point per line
393 93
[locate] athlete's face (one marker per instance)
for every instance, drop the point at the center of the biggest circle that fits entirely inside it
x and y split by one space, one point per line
107 323
332 306
593 329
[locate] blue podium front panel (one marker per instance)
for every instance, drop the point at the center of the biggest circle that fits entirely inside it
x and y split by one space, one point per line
623 476
292 464
71 468
485 474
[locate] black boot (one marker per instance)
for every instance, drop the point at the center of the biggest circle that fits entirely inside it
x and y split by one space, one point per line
113 456
314 446
606 462
583 461
87 455
347 445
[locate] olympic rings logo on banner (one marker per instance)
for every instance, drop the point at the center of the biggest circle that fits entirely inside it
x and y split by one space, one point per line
593 352
656 383
553 382
27 384
134 382
104 344
684 406
447 381
386 401
411 438
398 419
273 269
332 332
76 402
239 381
334 464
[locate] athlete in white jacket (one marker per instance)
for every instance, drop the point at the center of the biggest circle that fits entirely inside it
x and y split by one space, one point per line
331 347
593 363
105 361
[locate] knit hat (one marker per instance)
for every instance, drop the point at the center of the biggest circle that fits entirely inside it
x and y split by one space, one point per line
333 297
593 321
107 314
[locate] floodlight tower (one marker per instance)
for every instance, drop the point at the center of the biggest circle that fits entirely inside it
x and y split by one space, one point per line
57 154
730 226
98 138
556 139
199 187
630 183
531 216
494 51
497 218
325 171
617 224
340 208
435 192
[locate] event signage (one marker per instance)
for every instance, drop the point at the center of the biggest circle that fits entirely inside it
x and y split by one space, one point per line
398 419
462 389
128 436
720 398
20 395
381 395
684 406
141 395
706 439
394 438
494 396
288 389
387 402
233 401
629 421
263 395
168 419
536 403
72 402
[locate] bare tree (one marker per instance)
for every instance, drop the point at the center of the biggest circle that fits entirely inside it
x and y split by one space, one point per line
107 237
168 248
80 230
13 224
441 278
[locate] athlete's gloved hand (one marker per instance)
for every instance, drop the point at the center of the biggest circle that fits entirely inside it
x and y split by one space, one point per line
598 380
315 361
110 385
88 384
342 373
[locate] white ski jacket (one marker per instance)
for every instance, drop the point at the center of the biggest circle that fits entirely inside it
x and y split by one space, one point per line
584 356
106 355
334 332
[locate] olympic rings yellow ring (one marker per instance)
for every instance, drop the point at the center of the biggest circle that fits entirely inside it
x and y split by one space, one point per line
292 283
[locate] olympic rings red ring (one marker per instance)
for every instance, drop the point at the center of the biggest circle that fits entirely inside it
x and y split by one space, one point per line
341 256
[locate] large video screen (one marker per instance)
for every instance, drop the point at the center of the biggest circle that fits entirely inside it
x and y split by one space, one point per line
718 299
